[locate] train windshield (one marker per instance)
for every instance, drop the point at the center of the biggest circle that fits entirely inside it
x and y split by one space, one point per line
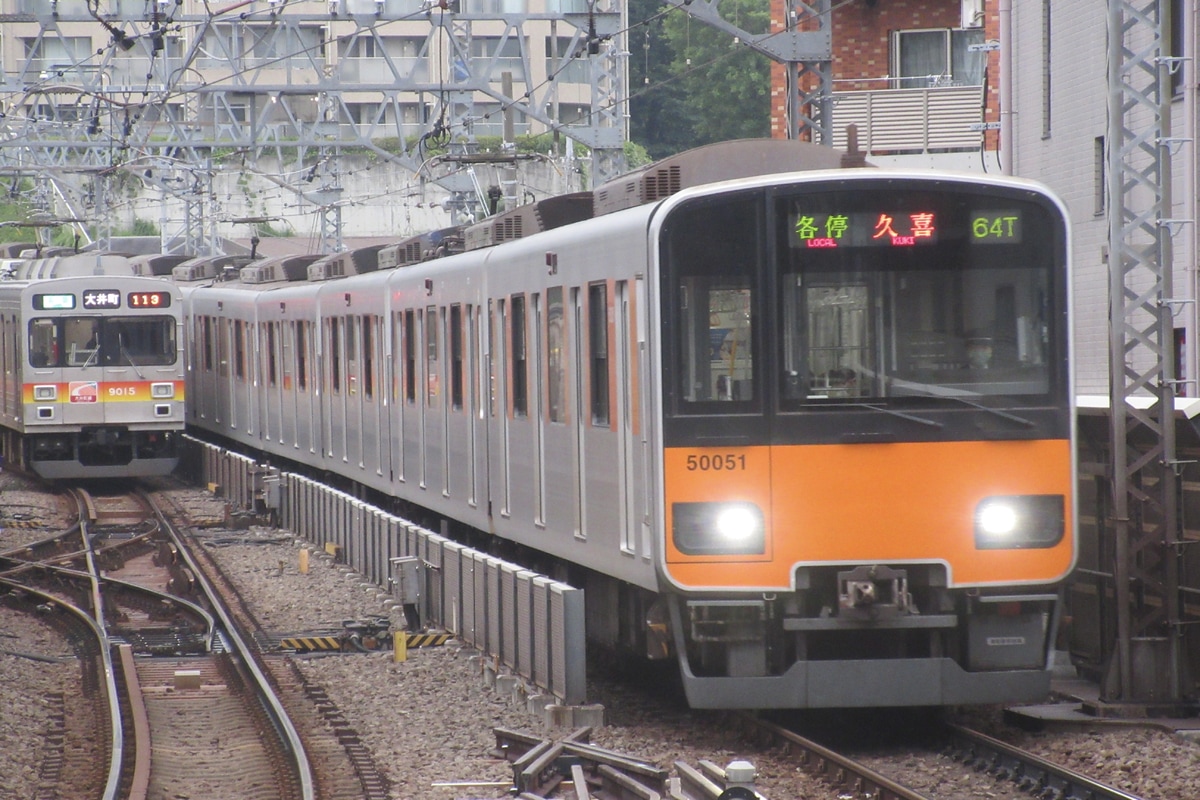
913 293
886 295
141 341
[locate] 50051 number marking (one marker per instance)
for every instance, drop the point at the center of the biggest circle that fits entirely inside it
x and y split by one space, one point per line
717 463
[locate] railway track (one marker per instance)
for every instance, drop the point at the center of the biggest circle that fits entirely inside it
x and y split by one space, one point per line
158 665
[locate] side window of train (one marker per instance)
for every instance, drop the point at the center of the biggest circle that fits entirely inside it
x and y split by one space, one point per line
206 336
431 355
43 343
368 347
239 350
223 348
520 366
598 351
272 365
410 356
456 357
302 355
335 355
556 374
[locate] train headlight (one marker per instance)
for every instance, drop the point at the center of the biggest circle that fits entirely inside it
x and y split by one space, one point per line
160 391
1019 521
718 528
44 393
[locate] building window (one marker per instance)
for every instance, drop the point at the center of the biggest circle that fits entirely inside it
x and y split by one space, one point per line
937 57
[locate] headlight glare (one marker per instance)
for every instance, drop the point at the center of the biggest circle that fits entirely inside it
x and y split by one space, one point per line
734 528
1009 522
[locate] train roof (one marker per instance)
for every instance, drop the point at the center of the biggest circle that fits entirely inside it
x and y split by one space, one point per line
67 266
544 215
352 262
722 161
422 247
157 264
280 269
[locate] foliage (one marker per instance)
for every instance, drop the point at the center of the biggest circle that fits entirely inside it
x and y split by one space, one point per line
693 84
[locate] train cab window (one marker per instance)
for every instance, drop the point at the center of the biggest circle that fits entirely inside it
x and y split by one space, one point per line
712 251
43 343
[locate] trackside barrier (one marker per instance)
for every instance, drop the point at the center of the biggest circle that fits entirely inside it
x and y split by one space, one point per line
528 622
239 480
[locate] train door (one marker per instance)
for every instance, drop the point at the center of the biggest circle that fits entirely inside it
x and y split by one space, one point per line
424 325
500 405
627 389
452 395
374 400
472 403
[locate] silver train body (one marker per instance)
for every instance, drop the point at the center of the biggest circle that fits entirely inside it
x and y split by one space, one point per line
599 394
93 378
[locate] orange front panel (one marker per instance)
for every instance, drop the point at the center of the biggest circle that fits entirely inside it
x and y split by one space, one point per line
856 504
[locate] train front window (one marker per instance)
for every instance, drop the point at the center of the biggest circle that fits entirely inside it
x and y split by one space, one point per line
917 294
139 341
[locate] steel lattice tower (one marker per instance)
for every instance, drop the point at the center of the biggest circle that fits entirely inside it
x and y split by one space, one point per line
1145 472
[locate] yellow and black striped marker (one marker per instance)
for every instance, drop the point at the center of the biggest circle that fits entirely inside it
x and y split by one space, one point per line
322 644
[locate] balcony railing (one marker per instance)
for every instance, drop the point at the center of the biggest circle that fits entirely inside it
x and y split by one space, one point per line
936 119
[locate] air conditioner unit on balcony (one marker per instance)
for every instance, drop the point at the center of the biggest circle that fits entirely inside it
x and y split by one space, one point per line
972 13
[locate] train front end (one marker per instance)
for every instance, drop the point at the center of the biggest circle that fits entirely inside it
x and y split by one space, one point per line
102 377
867 462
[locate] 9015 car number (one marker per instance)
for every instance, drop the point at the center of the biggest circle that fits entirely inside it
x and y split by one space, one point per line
717 463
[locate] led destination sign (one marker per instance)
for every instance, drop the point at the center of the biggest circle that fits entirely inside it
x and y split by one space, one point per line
897 229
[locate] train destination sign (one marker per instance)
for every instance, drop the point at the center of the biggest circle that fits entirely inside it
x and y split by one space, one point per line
54 302
817 230
148 299
101 298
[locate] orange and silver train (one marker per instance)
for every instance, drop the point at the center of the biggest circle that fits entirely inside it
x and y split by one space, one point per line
93 380
808 431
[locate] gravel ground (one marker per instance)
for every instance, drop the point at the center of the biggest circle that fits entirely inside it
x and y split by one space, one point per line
429 719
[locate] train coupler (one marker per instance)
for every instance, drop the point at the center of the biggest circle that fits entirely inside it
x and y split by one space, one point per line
874 592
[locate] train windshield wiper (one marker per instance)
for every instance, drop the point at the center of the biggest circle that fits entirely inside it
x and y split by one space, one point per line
927 390
900 414
128 357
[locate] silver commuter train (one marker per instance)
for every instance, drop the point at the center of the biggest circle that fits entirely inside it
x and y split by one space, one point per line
93 380
809 432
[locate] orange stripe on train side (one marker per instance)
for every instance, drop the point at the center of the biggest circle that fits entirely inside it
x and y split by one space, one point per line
81 392
855 504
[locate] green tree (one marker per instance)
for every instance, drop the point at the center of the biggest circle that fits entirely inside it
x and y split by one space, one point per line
692 84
